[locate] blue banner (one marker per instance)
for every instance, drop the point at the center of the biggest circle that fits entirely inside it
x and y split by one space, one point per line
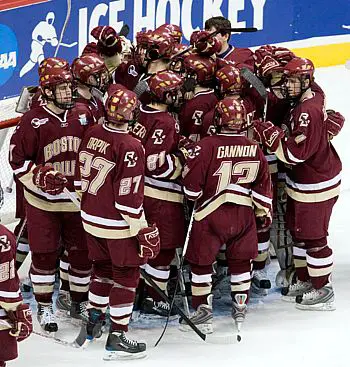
29 34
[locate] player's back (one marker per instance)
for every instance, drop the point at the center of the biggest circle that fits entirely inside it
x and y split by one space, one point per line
110 164
234 162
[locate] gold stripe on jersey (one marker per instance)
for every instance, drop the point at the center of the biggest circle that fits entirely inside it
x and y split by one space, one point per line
10 306
62 206
227 197
112 234
313 197
163 195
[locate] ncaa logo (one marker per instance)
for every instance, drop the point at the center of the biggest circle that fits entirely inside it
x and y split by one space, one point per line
8 53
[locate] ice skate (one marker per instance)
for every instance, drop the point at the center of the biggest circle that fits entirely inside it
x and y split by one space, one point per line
46 318
63 304
260 282
90 330
317 299
78 312
119 346
239 310
285 277
298 289
156 309
202 318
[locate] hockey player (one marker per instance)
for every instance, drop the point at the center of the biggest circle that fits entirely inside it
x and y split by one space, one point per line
227 51
15 316
112 166
228 176
313 181
158 132
153 52
43 151
92 81
199 74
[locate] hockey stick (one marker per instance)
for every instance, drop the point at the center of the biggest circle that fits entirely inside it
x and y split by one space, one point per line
230 30
213 339
73 198
69 9
179 275
124 31
258 85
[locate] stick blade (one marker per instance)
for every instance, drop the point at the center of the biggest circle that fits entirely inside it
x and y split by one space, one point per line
124 30
220 339
254 81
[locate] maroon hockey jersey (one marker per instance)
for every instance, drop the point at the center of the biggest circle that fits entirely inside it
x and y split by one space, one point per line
112 167
239 55
129 74
193 112
159 134
227 168
10 295
314 167
96 106
43 137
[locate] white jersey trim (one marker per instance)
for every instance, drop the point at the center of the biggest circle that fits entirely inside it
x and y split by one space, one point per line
315 186
103 221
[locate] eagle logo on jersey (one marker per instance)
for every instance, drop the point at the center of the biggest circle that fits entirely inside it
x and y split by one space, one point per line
5 244
158 136
36 123
131 159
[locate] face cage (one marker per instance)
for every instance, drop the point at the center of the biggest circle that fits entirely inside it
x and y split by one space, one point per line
62 105
177 66
297 93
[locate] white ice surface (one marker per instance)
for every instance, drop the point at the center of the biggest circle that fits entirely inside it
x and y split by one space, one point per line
275 333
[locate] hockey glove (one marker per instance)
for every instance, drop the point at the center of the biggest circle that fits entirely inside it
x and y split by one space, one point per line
185 148
263 224
267 134
21 320
149 242
48 180
335 122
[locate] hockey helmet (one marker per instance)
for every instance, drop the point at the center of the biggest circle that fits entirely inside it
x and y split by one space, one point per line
173 29
122 106
59 83
229 80
297 76
201 67
52 62
231 114
205 44
91 70
165 83
108 41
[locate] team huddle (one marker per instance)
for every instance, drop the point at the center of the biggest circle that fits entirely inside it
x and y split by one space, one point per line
126 150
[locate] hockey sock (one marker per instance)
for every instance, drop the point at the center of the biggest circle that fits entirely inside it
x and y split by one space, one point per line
263 250
79 275
201 281
159 270
64 266
319 265
122 296
240 271
42 275
100 285
299 259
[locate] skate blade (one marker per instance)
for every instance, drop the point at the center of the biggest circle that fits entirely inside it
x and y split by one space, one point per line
318 307
289 299
204 328
151 316
122 356
258 292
